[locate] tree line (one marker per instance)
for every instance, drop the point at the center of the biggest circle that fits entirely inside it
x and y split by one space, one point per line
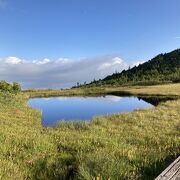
164 68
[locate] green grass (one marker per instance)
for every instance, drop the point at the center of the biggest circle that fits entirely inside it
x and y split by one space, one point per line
155 90
133 145
67 92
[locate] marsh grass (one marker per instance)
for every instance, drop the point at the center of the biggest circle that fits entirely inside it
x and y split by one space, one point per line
67 92
156 90
122 146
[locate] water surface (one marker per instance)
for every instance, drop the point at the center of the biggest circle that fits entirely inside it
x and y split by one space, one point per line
56 109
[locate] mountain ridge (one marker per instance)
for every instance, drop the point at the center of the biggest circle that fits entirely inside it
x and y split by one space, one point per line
163 68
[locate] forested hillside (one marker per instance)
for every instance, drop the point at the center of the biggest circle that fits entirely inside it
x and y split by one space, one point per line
161 69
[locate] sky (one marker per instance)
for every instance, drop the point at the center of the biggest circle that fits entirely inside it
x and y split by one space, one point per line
54 44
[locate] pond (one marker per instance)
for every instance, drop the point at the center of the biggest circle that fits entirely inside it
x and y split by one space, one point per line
56 109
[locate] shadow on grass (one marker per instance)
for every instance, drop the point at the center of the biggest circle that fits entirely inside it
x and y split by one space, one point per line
152 171
62 167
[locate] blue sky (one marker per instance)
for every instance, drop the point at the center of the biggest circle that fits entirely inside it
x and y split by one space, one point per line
133 30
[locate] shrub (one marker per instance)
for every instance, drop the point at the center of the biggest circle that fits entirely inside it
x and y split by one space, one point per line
8 87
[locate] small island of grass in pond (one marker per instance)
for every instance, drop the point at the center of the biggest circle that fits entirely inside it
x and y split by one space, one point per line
56 109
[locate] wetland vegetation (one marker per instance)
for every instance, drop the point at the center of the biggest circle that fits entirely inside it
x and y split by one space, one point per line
135 145
83 108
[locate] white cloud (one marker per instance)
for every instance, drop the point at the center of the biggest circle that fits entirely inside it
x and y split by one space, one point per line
59 73
13 60
137 63
62 60
113 99
177 37
115 62
44 61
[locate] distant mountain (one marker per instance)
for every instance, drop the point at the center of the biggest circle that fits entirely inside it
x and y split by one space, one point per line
163 68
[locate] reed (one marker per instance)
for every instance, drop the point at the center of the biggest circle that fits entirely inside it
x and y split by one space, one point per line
136 145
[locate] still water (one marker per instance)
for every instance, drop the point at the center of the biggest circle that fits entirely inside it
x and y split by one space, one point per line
56 109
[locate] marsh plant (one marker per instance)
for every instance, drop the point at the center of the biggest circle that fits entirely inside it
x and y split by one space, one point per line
135 145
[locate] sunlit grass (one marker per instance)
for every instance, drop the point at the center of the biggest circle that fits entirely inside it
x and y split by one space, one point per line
123 146
167 89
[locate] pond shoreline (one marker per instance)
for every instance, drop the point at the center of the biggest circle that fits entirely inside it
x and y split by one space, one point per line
128 145
84 108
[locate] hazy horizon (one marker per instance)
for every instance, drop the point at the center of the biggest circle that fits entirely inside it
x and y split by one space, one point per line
47 44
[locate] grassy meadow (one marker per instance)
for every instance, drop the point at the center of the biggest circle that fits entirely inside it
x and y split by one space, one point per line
136 145
155 90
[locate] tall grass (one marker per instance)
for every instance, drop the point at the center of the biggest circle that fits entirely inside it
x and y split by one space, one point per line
64 92
155 90
132 145
158 90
